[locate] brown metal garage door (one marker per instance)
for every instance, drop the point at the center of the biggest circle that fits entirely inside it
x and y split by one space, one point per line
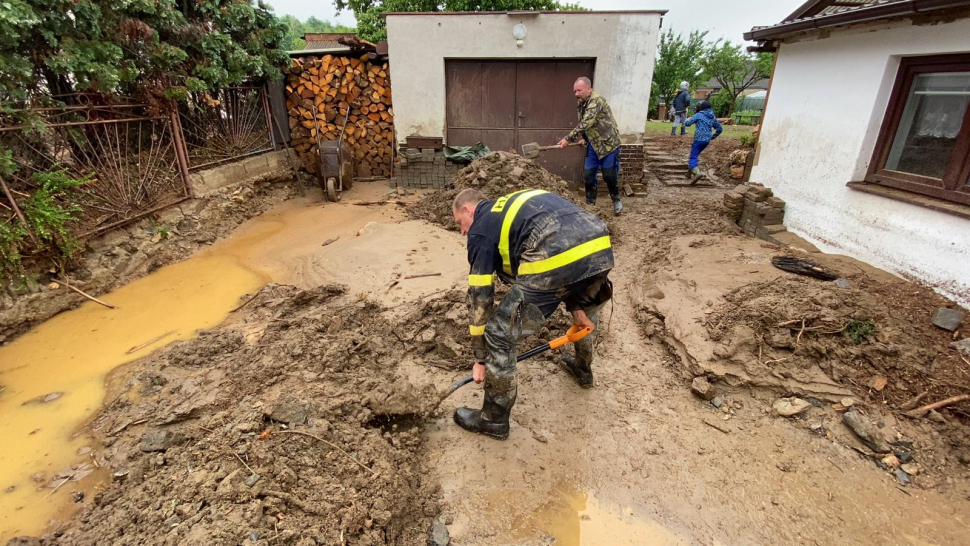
508 103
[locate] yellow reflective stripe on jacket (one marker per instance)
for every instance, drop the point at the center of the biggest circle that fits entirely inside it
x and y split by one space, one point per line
480 280
476 330
575 253
503 244
499 205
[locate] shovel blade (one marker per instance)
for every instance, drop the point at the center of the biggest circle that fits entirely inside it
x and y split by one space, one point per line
530 150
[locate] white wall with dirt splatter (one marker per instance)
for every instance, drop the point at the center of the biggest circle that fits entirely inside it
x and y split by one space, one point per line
827 102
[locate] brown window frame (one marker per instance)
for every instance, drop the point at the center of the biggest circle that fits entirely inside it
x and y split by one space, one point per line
953 186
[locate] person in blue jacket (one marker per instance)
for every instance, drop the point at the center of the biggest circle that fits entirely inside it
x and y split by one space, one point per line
705 121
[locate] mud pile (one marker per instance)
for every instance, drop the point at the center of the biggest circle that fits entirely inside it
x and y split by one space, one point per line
496 174
877 339
272 427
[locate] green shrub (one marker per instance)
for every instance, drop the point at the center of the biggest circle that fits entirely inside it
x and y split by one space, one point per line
859 330
748 140
48 212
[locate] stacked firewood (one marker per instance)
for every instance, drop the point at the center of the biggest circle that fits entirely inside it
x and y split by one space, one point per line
323 92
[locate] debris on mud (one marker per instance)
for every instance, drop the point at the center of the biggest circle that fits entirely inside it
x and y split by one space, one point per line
496 174
263 430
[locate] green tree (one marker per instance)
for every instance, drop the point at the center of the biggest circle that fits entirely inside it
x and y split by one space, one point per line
371 26
148 48
735 69
678 60
296 29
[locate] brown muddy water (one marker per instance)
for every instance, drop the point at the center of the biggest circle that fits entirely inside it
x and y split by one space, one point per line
46 456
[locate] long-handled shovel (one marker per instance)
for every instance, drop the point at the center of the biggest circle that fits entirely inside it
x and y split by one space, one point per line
574 334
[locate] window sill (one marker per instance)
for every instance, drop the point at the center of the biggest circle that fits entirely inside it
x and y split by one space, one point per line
925 201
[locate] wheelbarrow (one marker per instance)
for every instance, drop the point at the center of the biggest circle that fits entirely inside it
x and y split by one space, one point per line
335 169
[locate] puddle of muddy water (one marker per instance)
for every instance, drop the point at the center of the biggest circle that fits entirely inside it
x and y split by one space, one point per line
571 517
73 352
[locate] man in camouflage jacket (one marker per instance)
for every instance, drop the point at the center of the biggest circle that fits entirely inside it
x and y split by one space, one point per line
598 129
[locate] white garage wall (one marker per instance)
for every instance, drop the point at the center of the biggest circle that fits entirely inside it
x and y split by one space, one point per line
623 44
828 98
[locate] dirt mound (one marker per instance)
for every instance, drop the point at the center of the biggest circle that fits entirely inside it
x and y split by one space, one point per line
716 156
496 174
877 339
264 429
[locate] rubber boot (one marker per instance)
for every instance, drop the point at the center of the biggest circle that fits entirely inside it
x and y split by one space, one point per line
673 131
492 420
695 174
683 131
590 196
581 372
617 205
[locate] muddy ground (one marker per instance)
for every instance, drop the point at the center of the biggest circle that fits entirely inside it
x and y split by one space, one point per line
637 459
717 155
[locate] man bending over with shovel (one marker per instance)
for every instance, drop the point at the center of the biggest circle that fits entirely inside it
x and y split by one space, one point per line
598 128
551 252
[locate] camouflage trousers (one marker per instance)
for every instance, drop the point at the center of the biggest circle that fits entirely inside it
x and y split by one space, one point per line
521 314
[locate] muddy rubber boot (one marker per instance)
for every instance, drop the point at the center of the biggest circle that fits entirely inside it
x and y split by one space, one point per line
696 175
673 131
582 374
591 196
478 421
617 206
683 131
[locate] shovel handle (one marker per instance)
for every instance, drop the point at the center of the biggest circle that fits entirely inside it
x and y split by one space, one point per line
556 146
574 334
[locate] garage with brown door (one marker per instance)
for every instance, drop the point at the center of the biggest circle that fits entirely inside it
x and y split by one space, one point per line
506 104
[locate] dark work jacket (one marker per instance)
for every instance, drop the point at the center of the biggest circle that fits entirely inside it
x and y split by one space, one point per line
551 244
681 102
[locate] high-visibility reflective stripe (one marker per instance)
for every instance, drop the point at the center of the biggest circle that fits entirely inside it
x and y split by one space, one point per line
575 253
503 244
501 201
476 330
480 280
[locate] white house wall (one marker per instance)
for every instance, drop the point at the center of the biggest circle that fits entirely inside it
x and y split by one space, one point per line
827 101
623 44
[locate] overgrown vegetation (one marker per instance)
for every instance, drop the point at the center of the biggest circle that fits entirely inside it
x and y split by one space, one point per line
735 69
146 48
747 117
678 60
859 331
748 141
48 212
372 27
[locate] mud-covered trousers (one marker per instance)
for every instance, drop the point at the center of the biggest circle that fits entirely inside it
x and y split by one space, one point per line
521 313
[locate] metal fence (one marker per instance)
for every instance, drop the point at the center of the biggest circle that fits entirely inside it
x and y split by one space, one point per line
220 127
133 154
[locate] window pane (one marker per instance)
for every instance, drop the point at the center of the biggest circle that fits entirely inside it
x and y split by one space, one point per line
930 123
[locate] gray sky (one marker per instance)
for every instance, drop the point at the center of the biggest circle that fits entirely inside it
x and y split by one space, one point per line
723 18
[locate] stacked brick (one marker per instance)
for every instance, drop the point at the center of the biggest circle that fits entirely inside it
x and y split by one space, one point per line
631 163
425 168
756 210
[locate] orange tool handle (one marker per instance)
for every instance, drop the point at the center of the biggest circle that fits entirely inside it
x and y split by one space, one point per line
574 334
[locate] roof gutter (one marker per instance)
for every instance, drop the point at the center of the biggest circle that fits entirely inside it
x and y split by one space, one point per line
862 15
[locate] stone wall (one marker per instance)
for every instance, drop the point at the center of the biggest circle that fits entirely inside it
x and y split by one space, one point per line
424 168
247 170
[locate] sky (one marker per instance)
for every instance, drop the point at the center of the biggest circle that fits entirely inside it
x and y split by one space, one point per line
723 18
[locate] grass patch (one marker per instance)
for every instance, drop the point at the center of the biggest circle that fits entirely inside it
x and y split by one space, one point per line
662 128
859 331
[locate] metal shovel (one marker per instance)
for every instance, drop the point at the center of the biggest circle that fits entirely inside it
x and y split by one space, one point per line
574 334
532 149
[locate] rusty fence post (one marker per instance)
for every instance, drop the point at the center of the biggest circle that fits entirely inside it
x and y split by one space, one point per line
180 152
264 93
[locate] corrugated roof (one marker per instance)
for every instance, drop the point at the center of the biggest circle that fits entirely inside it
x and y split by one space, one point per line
326 40
817 14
